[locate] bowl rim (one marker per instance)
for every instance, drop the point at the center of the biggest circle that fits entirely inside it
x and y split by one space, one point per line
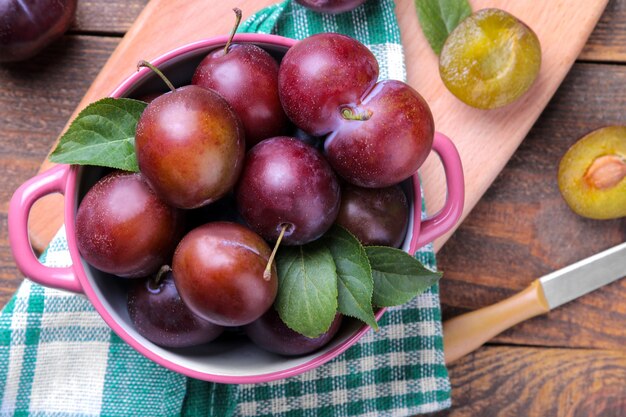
255 38
79 270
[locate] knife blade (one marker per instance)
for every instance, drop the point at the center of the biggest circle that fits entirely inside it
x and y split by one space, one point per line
467 332
582 277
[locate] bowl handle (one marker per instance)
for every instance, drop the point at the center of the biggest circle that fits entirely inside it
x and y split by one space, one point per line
435 226
50 181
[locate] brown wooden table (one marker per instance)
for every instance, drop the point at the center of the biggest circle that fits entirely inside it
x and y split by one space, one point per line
569 363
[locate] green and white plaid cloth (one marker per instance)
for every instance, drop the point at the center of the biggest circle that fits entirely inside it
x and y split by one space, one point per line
59 358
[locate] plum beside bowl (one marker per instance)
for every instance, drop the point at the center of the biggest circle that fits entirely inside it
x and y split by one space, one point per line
231 359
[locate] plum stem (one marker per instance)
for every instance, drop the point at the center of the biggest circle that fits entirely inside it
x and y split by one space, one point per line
157 71
350 114
232 33
267 274
154 283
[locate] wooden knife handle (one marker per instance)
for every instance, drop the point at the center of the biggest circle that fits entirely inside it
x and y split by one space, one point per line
465 333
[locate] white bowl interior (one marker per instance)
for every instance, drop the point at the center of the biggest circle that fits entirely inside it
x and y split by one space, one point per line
231 355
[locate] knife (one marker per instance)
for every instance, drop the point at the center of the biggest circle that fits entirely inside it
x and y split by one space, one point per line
467 332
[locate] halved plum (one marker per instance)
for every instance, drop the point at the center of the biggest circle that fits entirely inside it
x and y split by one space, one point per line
490 59
592 174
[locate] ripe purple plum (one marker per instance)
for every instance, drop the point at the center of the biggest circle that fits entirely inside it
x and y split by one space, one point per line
190 146
376 216
247 77
379 134
159 314
269 332
27 26
219 273
319 75
288 184
124 228
383 140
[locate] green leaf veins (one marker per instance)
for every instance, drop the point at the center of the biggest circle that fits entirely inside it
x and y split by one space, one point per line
398 277
103 134
307 282
355 284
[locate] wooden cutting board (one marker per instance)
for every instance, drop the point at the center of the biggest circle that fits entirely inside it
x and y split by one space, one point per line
485 139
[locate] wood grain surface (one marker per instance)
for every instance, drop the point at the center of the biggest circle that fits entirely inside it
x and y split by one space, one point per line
608 41
571 362
523 381
106 18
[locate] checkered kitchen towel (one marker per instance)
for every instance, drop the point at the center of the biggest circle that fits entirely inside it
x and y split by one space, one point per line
58 358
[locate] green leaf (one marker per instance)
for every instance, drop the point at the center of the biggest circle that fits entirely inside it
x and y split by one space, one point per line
438 19
398 277
103 134
307 288
355 284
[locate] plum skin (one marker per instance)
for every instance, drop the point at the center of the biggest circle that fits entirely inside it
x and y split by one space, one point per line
286 181
123 228
490 59
379 134
390 144
218 270
27 27
321 73
270 333
159 315
247 77
375 216
190 146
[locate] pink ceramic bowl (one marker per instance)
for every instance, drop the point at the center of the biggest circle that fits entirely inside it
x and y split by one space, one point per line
225 361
